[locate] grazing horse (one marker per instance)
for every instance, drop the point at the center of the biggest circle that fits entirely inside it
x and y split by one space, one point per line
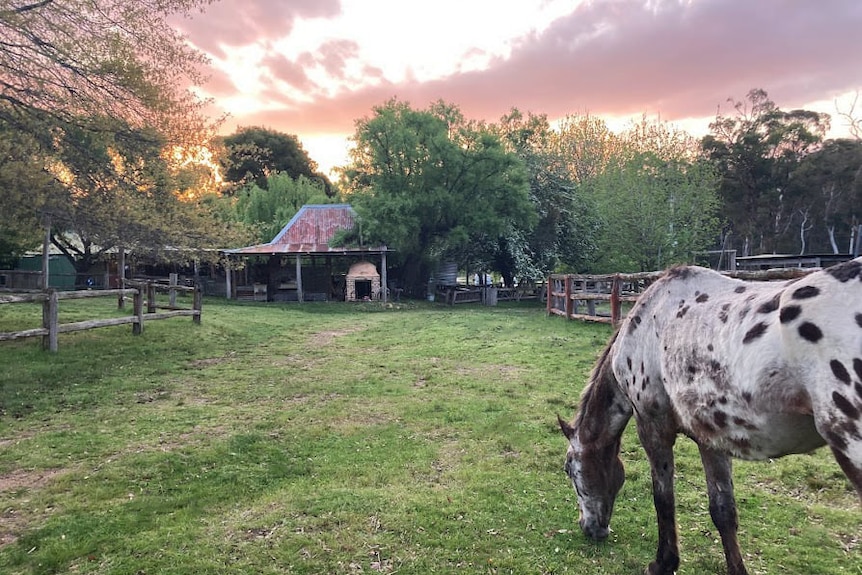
753 370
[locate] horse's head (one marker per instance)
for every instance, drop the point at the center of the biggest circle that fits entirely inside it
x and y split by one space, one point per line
597 474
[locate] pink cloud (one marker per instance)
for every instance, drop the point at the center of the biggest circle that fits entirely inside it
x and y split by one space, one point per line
242 22
617 57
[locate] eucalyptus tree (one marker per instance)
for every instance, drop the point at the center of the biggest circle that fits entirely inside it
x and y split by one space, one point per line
433 186
756 151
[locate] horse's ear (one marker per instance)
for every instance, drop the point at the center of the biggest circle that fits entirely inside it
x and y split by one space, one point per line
566 427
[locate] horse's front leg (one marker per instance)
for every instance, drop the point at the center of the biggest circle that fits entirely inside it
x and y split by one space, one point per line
722 505
658 441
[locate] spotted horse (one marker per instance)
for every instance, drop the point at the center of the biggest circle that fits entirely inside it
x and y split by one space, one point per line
753 370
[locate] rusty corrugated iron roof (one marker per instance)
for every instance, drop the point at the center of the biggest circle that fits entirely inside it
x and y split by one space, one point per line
310 231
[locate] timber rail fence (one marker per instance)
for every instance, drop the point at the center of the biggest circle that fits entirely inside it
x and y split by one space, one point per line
601 298
142 310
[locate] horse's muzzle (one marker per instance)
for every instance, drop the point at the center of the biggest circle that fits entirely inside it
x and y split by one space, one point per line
594 531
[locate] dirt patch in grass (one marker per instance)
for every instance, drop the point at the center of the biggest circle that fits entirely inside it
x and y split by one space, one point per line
12 521
322 338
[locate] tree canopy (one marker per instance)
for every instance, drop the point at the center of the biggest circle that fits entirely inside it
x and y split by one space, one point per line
253 154
435 186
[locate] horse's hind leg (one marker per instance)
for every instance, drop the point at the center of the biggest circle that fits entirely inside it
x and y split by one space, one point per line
657 441
722 505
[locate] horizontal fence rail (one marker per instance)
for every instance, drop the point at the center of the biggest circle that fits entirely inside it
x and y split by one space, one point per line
51 326
600 298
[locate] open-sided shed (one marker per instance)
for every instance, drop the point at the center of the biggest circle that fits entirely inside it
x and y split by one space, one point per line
305 240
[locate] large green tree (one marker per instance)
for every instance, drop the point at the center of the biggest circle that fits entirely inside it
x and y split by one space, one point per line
756 151
435 187
253 154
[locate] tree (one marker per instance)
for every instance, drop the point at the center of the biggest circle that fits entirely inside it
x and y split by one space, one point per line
253 154
125 192
827 188
269 210
85 83
657 200
65 62
755 153
564 235
27 189
434 187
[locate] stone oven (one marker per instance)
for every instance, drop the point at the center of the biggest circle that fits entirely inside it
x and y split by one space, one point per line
362 282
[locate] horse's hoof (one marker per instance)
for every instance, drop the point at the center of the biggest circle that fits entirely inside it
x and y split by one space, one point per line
656 569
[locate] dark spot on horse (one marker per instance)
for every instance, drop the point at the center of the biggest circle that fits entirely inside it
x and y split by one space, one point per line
836 441
722 400
857 367
638 396
858 387
739 289
644 384
682 312
629 362
839 371
702 298
859 319
846 271
722 315
642 368
806 292
744 312
692 369
771 305
755 332
746 396
710 347
845 406
810 332
720 419
744 423
633 325
789 313
680 272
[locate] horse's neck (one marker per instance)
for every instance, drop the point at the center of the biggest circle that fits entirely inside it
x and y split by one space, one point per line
605 410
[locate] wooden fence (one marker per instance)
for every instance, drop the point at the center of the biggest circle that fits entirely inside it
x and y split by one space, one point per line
601 298
51 326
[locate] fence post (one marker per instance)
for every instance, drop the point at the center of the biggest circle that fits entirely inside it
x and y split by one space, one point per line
51 320
197 303
616 312
172 294
138 304
567 279
151 297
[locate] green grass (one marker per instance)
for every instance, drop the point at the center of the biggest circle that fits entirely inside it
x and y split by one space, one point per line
347 438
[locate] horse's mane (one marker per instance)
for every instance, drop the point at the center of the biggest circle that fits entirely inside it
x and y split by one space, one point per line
597 393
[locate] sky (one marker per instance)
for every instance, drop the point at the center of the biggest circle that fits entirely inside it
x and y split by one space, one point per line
314 67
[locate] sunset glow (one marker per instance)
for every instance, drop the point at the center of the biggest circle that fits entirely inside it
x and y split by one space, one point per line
312 68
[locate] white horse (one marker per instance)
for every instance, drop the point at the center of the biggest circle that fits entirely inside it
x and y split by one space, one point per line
750 370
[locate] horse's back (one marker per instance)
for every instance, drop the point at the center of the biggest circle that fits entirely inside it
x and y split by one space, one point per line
745 366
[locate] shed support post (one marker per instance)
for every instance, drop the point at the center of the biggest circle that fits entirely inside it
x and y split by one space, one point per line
299 278
384 289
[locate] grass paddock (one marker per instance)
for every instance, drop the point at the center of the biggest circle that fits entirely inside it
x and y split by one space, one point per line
350 438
